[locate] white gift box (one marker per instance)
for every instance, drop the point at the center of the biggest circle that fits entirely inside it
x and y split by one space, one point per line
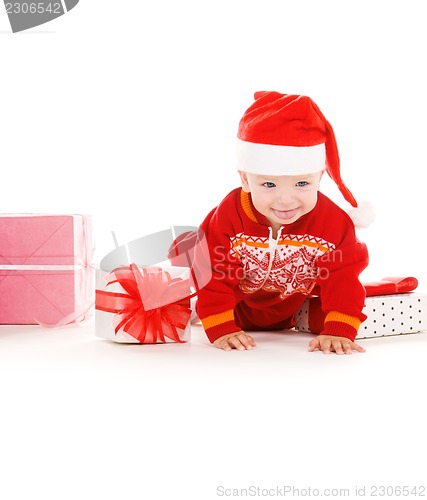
105 322
395 314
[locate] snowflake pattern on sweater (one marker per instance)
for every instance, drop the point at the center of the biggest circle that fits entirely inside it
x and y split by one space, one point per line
293 268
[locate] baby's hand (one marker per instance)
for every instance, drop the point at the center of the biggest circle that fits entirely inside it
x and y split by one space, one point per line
237 340
328 343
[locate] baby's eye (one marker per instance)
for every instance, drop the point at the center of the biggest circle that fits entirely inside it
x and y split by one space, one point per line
301 183
269 184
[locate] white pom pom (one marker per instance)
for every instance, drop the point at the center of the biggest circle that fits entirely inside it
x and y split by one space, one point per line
363 215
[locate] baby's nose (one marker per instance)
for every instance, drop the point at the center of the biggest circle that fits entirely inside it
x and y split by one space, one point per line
284 196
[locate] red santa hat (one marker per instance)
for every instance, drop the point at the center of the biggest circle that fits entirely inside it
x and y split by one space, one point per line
284 134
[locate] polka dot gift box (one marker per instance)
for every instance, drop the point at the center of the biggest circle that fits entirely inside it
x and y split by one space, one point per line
391 307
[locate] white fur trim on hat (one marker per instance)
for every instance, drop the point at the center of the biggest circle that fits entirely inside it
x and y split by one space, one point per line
269 159
362 216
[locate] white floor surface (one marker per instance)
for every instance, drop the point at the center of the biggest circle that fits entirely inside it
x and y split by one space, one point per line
85 418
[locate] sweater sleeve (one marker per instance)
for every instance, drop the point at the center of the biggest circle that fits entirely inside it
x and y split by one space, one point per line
342 295
217 299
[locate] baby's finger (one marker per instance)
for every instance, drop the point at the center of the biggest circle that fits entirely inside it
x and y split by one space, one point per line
325 346
225 345
338 347
313 345
246 340
357 347
347 348
235 342
222 344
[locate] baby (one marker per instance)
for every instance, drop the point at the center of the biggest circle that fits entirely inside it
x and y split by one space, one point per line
277 239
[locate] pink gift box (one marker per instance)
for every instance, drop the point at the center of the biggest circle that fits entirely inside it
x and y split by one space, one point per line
45 269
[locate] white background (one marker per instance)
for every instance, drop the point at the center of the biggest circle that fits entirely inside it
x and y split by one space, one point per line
128 110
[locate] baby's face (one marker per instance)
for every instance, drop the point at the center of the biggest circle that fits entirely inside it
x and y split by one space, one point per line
282 199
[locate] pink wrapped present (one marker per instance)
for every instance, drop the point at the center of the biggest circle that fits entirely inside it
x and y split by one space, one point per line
45 269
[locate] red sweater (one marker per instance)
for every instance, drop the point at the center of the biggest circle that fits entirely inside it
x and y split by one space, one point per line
318 254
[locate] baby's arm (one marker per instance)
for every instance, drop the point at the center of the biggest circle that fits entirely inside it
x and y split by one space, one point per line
237 340
330 343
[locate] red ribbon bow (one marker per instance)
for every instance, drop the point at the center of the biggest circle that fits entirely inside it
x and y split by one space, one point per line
153 307
389 286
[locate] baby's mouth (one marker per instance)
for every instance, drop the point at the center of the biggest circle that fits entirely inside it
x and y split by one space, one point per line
285 214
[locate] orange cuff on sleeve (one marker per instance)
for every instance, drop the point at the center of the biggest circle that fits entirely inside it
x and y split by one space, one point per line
341 325
343 318
219 324
217 319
